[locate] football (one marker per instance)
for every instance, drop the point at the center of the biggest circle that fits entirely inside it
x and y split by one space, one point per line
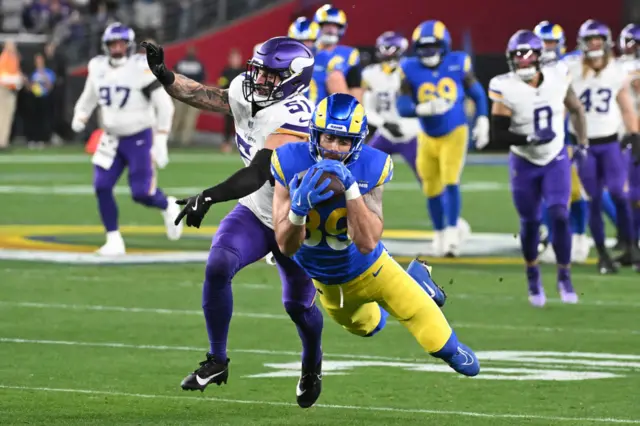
336 185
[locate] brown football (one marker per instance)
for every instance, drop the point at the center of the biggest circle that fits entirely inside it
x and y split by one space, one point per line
336 185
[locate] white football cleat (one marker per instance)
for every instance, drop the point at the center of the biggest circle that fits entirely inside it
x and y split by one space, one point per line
580 248
451 242
174 232
437 245
114 245
464 229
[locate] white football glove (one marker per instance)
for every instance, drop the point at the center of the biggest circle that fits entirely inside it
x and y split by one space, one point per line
480 132
78 125
437 106
159 150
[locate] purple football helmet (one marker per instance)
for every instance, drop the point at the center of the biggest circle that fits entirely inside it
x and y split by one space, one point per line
594 39
629 41
390 46
524 51
118 32
280 68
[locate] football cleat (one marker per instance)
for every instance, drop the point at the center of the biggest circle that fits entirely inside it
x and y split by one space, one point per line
451 242
437 245
309 386
210 371
420 271
606 265
537 297
464 361
114 246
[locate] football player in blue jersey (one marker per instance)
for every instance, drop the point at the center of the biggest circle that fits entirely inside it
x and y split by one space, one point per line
337 67
554 42
336 239
305 30
434 86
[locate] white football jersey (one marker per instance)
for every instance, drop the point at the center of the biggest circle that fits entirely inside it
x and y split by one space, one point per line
291 116
125 108
632 68
382 85
535 108
598 93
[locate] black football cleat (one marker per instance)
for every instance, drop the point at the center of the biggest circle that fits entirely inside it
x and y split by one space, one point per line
309 386
210 371
606 265
630 255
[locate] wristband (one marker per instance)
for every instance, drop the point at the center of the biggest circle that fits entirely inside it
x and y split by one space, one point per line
353 192
297 219
167 77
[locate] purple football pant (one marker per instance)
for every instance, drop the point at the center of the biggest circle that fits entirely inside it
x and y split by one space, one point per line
634 194
607 166
134 152
530 184
406 149
241 239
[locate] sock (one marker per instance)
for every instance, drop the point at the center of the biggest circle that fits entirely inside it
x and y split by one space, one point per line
609 207
453 205
157 200
529 239
108 209
579 213
564 274
625 225
435 206
546 221
596 224
217 299
309 322
561 241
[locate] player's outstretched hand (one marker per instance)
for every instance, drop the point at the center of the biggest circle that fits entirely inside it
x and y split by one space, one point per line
195 208
337 168
580 154
393 128
306 193
632 141
155 59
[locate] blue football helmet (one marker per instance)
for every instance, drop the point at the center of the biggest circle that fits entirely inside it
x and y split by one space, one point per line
431 42
304 30
552 35
343 116
329 14
118 32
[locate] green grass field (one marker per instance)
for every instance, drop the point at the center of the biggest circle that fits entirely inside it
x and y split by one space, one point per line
109 344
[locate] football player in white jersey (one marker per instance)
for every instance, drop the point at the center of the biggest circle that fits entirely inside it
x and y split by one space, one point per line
528 115
269 109
602 86
629 44
132 103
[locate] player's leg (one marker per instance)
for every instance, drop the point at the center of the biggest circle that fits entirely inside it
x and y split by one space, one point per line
409 150
103 183
526 191
298 298
399 294
556 190
578 213
143 180
428 167
452 157
634 196
616 177
421 272
241 239
609 208
591 176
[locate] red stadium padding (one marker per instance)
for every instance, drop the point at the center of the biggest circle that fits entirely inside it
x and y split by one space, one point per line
490 24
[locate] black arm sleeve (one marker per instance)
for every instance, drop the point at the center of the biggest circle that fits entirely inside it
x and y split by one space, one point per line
245 181
501 134
150 88
354 77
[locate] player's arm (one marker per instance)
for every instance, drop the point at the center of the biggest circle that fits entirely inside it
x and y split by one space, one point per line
353 76
629 116
207 98
576 115
404 103
500 123
364 220
369 103
337 83
474 89
85 105
289 229
162 105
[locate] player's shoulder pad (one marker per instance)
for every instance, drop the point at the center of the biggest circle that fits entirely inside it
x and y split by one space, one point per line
461 59
288 160
293 116
235 88
353 56
368 74
497 86
97 63
373 168
336 62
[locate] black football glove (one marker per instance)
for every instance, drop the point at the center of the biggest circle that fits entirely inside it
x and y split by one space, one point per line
155 59
632 140
195 208
394 129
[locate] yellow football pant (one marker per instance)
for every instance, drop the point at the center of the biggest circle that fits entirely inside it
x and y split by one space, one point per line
356 305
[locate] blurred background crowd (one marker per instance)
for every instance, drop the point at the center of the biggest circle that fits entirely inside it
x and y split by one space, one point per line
48 42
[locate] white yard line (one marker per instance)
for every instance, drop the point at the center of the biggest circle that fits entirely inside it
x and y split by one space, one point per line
259 315
452 413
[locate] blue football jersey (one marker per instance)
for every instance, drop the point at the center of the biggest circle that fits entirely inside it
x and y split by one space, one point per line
341 58
327 253
444 81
